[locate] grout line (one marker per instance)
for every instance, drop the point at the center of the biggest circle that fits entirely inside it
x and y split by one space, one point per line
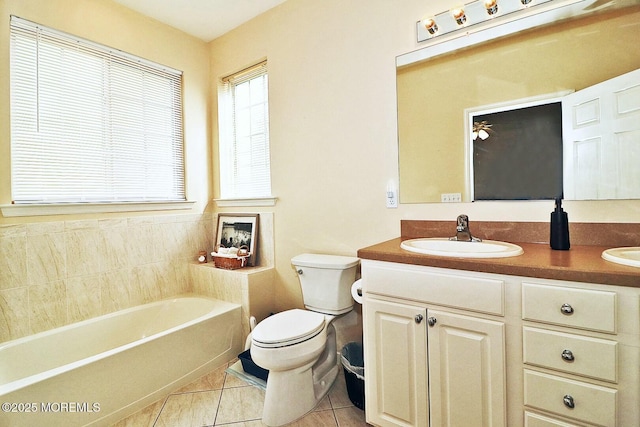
160 411
215 419
335 418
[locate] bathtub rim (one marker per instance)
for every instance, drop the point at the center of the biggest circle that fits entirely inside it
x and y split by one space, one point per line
12 386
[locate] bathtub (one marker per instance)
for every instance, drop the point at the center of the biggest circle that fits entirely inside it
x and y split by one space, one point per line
100 370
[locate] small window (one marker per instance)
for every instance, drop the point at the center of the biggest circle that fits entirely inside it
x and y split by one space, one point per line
90 123
245 170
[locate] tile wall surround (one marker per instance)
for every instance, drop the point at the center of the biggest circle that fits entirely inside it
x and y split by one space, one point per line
56 273
251 287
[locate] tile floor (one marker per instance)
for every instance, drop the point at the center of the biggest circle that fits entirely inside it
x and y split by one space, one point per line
221 399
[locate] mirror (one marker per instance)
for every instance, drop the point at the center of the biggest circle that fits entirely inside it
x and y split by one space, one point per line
434 94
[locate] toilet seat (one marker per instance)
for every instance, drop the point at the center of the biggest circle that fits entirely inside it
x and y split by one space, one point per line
288 328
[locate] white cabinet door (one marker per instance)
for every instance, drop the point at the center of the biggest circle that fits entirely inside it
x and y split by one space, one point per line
395 343
466 371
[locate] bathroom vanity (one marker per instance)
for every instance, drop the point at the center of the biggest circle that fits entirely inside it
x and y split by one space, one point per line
547 338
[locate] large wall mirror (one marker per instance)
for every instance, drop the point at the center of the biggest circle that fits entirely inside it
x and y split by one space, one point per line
436 95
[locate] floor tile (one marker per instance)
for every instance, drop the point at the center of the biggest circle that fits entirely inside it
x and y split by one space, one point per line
316 419
240 404
143 418
338 395
222 399
189 409
254 423
324 404
350 417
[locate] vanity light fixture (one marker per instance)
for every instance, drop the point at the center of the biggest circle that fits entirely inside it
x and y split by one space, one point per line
430 25
491 6
459 15
473 18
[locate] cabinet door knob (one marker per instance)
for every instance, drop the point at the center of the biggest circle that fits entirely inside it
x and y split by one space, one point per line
568 401
432 321
567 355
566 309
418 318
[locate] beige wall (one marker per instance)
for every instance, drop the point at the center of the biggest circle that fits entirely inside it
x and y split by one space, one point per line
333 118
107 22
333 128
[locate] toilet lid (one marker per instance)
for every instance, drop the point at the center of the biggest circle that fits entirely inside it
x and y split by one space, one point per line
287 328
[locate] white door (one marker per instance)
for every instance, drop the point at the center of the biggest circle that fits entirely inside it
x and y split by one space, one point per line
601 133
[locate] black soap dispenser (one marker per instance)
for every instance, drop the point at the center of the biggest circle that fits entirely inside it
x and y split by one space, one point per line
559 228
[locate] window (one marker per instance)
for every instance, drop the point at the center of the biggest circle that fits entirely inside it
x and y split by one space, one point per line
90 123
245 171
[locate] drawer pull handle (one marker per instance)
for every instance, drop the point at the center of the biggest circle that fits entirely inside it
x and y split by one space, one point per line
418 318
567 356
431 321
566 309
568 401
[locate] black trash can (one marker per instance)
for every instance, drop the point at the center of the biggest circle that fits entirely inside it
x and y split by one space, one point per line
353 365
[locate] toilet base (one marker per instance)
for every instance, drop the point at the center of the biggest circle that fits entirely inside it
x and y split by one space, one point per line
292 394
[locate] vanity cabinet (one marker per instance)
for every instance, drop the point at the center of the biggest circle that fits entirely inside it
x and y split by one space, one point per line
427 363
446 347
580 366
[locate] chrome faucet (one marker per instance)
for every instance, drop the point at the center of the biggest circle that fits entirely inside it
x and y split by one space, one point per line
462 230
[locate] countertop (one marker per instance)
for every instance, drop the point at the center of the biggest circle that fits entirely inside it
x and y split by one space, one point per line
581 263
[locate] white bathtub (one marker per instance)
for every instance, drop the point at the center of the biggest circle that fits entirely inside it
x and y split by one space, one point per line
100 370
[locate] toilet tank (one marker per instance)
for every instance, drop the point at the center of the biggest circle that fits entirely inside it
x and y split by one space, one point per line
326 281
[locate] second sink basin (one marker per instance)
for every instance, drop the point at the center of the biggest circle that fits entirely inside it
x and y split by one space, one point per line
626 256
453 248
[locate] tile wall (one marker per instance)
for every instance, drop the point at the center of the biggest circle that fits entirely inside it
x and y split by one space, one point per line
56 273
251 287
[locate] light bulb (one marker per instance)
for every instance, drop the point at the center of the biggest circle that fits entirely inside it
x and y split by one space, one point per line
459 16
491 6
430 25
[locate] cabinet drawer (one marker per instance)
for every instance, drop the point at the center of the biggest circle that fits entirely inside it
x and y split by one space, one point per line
593 404
580 355
579 308
537 420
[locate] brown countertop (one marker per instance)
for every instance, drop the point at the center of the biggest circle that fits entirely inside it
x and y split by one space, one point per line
581 263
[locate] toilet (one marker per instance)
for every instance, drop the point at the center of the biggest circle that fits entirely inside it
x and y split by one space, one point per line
298 347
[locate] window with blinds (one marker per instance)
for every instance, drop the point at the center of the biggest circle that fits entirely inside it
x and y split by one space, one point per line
90 123
245 170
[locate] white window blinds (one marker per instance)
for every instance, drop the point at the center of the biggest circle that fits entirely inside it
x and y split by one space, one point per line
90 123
245 170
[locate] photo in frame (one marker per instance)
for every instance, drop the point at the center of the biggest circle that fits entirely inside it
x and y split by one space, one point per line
237 230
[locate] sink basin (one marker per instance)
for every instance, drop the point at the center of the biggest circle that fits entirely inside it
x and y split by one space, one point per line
459 249
626 256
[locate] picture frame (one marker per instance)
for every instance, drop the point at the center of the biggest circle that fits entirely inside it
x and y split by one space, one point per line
236 230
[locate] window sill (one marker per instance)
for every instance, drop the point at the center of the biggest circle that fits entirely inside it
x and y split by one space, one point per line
242 202
42 209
